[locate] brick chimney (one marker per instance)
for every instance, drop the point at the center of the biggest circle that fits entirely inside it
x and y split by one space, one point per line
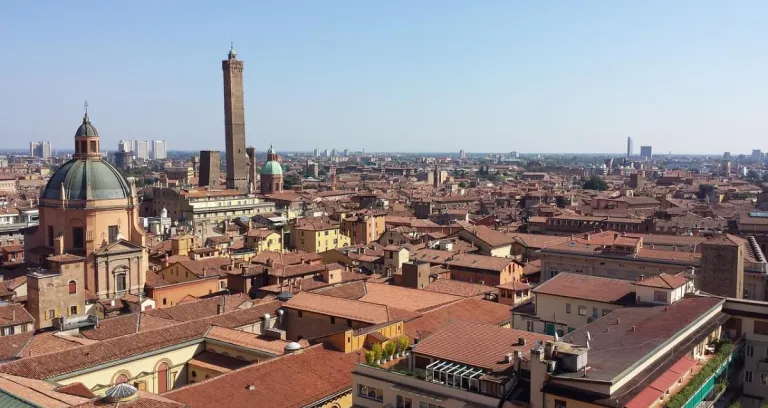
58 245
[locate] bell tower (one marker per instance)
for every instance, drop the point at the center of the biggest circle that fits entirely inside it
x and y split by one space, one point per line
234 122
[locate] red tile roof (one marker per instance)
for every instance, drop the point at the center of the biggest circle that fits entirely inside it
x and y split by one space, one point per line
477 344
470 309
293 381
663 281
588 287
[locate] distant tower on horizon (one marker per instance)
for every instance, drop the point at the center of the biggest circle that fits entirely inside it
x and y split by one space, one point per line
234 122
629 147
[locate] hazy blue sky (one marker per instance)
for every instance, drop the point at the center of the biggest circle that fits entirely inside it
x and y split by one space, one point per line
411 75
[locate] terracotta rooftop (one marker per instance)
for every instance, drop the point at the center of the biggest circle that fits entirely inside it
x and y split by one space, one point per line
490 236
413 300
477 344
588 287
252 341
470 309
663 281
34 393
84 357
458 288
217 362
13 314
339 307
485 262
292 381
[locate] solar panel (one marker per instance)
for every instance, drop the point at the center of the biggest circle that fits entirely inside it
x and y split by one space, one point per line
759 214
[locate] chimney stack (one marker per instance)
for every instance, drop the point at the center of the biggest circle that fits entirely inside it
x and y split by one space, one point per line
58 245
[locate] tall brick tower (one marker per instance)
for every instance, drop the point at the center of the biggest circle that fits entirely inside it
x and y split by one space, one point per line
234 122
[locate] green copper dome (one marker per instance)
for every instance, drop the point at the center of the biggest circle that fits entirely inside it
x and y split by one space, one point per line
106 182
86 129
272 167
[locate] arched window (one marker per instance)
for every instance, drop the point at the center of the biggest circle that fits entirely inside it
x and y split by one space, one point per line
72 287
120 282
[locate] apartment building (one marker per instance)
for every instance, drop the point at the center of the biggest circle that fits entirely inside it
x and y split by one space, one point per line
317 234
723 264
633 357
204 206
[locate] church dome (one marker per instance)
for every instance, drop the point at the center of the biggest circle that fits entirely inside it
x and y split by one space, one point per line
272 168
106 182
86 129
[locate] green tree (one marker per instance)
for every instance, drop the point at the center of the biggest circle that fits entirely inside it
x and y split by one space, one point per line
462 184
291 180
596 183
705 190
753 176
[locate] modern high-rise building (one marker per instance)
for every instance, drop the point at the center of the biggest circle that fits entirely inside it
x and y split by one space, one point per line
346 152
757 155
629 147
159 150
40 149
327 153
333 153
727 155
141 149
210 167
317 152
462 155
125 146
646 152
234 122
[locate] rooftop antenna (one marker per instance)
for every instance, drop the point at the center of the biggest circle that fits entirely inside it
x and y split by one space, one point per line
589 336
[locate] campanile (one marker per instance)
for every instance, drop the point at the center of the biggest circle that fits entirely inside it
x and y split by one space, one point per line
234 122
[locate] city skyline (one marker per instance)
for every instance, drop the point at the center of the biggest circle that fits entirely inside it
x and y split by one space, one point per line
507 77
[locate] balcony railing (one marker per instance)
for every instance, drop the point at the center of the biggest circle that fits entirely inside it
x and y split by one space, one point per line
716 371
75 322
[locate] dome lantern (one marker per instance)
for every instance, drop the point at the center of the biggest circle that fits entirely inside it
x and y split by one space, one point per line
86 139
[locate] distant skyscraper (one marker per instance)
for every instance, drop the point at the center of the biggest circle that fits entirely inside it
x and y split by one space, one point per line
333 153
40 149
462 155
158 150
646 152
327 153
629 147
210 167
317 152
234 122
141 149
346 152
757 155
125 146
727 155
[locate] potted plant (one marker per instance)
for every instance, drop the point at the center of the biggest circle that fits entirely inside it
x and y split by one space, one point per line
402 345
370 357
390 349
377 353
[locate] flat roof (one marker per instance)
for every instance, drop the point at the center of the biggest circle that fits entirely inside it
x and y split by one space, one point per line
615 347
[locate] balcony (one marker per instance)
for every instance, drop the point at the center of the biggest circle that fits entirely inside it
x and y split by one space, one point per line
75 322
710 383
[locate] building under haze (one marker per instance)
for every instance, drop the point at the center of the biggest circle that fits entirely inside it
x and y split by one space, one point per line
141 149
646 152
234 122
40 149
159 150
629 147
